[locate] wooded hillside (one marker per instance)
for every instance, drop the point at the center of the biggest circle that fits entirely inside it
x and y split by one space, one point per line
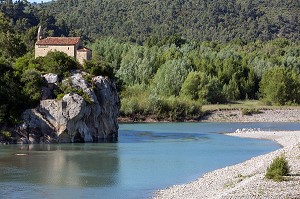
201 20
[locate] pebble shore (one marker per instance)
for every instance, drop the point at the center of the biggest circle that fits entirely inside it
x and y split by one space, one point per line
276 115
247 179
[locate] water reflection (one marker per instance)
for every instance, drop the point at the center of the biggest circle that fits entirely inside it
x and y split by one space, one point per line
129 136
61 165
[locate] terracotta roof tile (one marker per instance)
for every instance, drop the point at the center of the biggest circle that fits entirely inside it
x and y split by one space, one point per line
59 41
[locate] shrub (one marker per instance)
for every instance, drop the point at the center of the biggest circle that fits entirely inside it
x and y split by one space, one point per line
6 135
57 62
278 168
247 111
98 68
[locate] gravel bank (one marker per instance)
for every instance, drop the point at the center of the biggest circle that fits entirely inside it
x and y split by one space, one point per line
278 115
246 180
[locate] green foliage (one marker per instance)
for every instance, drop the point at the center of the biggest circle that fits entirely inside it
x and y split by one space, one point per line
6 135
163 67
170 77
280 86
32 81
160 22
179 109
212 92
278 168
206 72
199 86
26 62
11 44
98 68
250 111
67 87
137 100
59 96
57 62
109 50
11 98
139 65
192 84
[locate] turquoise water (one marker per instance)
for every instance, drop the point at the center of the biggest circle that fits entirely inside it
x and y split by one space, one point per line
146 158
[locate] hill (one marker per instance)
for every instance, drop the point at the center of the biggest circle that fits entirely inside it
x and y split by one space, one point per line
136 20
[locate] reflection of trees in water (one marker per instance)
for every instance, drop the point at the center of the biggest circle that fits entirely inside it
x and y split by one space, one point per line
81 165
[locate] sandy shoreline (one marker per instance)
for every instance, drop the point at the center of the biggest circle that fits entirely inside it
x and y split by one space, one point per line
246 180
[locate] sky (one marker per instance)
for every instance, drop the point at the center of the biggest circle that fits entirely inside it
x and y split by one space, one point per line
38 1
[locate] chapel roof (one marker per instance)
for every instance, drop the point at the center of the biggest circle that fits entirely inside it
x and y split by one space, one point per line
59 41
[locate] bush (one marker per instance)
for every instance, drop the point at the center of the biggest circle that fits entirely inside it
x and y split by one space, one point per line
6 135
278 168
247 111
57 62
138 100
98 68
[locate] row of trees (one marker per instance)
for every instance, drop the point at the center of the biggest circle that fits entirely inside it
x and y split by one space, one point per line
205 72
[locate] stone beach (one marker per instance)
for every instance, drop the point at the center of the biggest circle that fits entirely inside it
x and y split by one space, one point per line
247 179
271 115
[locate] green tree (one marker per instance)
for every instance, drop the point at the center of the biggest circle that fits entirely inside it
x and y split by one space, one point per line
24 63
191 86
214 93
170 77
11 44
139 65
10 94
276 85
32 82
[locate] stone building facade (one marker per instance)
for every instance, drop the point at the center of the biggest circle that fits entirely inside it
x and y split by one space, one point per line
72 46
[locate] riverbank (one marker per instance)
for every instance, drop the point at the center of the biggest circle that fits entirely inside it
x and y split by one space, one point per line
269 115
246 180
227 115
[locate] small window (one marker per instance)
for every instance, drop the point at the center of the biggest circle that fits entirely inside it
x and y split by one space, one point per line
68 48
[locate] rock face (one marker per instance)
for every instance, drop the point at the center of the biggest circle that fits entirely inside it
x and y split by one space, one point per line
90 115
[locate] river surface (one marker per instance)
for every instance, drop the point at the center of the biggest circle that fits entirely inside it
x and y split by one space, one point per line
147 157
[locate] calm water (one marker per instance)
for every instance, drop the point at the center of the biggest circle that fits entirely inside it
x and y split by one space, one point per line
147 157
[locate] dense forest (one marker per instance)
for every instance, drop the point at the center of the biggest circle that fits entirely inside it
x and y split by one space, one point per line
201 20
168 58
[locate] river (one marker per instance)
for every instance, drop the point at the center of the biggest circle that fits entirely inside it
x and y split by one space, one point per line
147 157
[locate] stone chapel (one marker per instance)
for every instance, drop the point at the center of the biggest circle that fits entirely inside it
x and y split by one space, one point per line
72 46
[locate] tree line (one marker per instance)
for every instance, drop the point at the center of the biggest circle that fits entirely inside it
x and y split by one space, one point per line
202 72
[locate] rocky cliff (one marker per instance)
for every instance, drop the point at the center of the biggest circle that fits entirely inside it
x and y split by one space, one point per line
88 114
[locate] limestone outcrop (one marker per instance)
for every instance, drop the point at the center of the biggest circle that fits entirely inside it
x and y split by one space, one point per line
89 115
